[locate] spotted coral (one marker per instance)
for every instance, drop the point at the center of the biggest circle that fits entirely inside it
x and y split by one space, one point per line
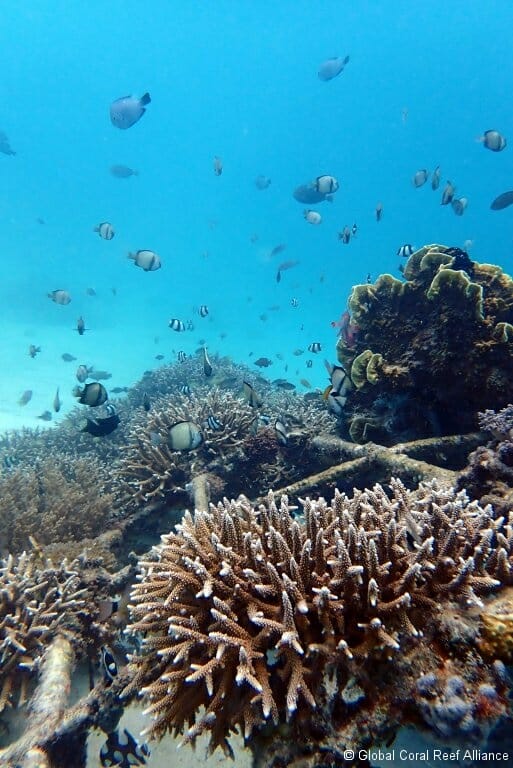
250 613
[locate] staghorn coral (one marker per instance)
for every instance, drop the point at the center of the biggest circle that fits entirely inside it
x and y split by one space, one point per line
38 601
57 500
243 445
441 340
154 469
270 621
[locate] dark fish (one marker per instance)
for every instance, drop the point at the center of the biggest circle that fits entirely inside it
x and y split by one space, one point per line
207 366
123 751
123 171
448 193
159 357
33 350
278 249
251 395
262 182
354 230
214 424
309 363
502 201
101 426
82 373
45 416
332 67
118 390
99 375
127 110
280 431
314 347
435 178
105 230
146 402
218 166
284 384
67 357
287 265
81 328
184 436
90 292
345 235
60 296
26 397
57 402
378 212
459 205
405 250
176 325
263 362
308 194
93 394
5 147
108 662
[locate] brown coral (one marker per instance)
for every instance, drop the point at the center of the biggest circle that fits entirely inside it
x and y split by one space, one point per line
257 615
56 500
154 469
37 602
437 346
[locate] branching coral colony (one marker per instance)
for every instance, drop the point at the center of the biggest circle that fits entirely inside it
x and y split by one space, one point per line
304 631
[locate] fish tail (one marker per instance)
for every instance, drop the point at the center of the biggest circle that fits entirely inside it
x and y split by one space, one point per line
145 99
131 255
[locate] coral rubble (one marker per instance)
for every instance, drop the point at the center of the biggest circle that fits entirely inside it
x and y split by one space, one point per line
321 626
425 354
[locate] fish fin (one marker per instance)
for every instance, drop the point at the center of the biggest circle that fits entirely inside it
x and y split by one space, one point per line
329 198
96 229
131 255
145 99
346 60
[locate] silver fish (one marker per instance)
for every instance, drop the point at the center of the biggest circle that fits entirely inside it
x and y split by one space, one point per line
184 436
127 110
332 67
122 171
105 230
262 182
420 178
60 296
57 402
149 261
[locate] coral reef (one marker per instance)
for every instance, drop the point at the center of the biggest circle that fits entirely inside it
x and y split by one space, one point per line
303 631
488 475
58 499
437 347
240 444
38 601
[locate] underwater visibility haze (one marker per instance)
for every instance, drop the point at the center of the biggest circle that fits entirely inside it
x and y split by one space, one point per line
256 251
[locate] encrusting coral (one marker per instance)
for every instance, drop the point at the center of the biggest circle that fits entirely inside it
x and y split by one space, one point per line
263 619
425 354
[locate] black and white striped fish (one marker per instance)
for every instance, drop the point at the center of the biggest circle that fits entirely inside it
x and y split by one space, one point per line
176 325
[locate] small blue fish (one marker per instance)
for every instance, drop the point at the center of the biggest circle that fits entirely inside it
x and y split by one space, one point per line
127 110
123 751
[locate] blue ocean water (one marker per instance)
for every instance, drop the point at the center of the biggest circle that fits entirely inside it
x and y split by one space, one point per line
237 80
